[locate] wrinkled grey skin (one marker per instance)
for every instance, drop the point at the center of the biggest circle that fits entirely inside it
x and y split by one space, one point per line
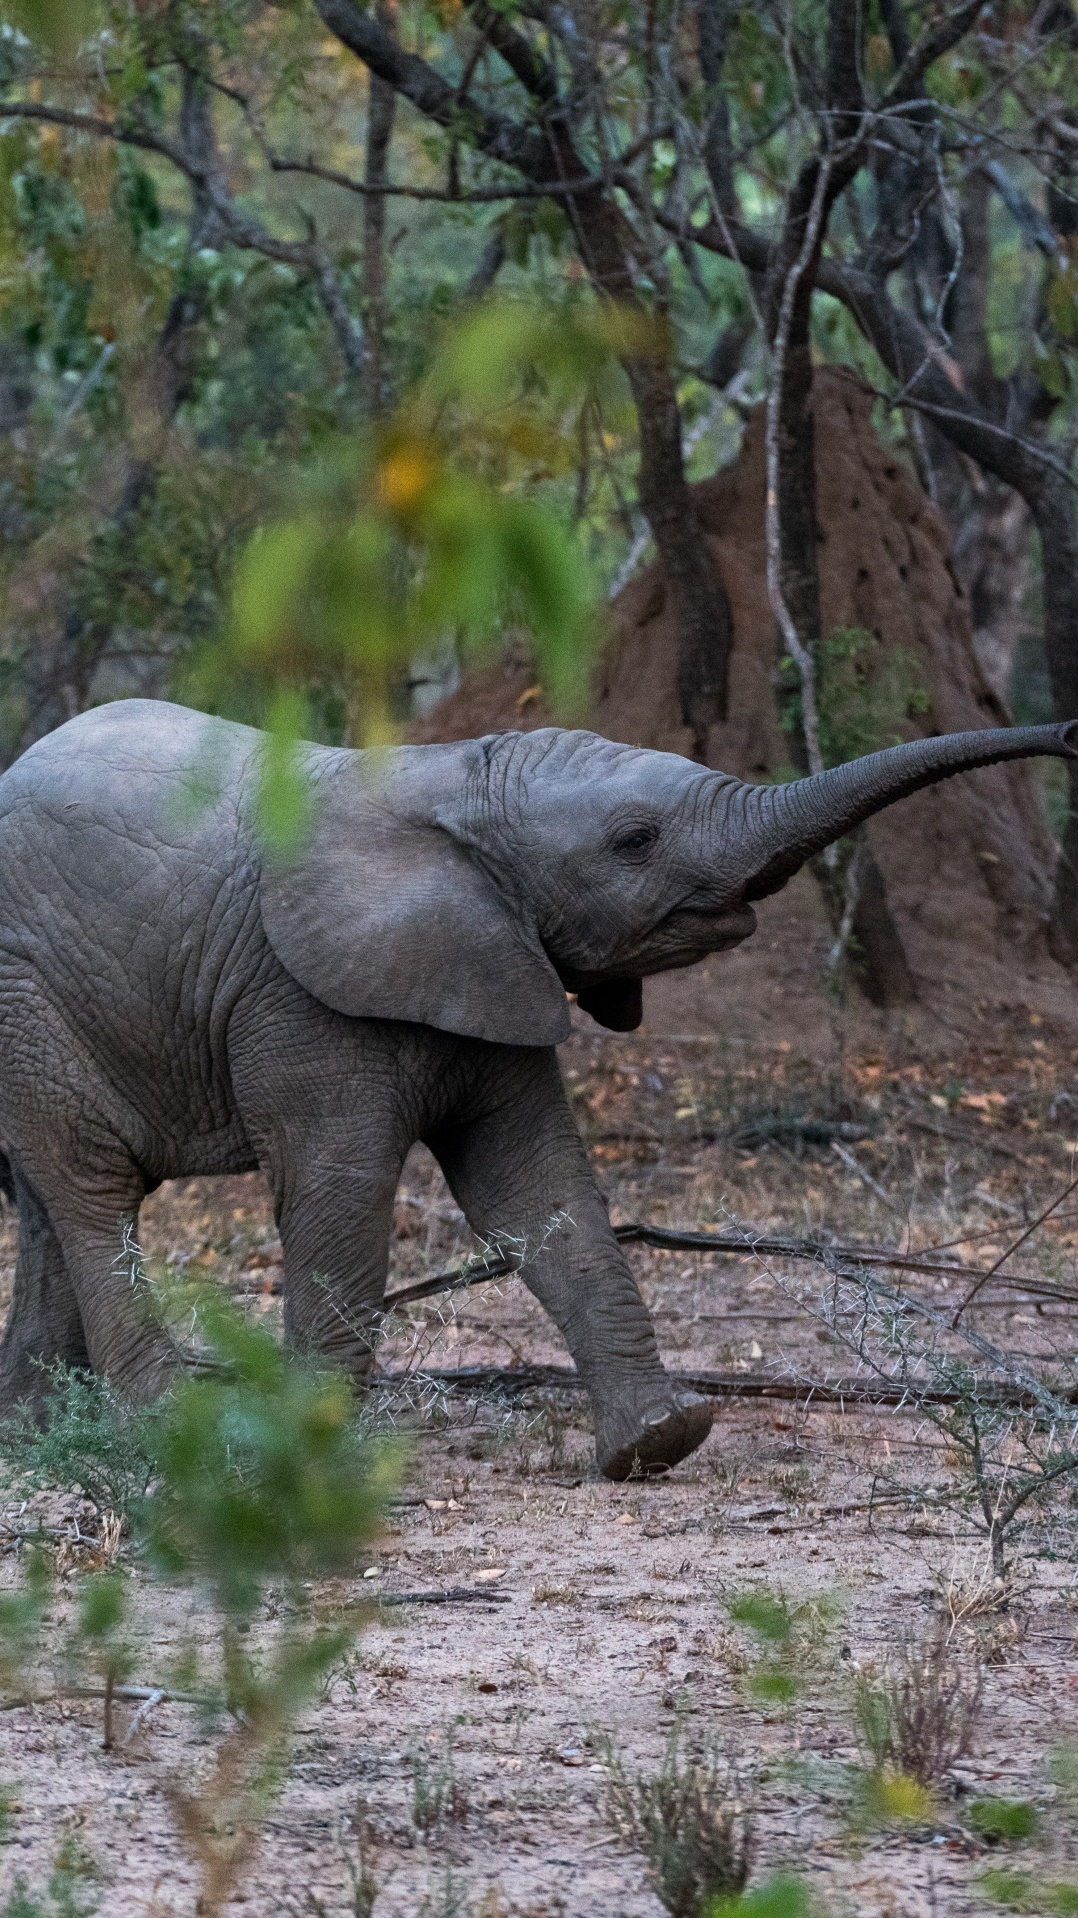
170 1005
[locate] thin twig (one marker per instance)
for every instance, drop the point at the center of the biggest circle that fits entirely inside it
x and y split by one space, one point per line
139 1718
842 1152
451 1595
983 1277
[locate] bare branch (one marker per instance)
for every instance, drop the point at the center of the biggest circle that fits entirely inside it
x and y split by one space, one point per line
474 196
934 42
519 146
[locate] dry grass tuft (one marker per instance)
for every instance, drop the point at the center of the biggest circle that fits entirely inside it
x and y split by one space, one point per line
695 1835
919 1719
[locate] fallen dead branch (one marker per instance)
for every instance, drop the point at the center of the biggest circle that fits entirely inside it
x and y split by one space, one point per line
526 1378
452 1595
740 1244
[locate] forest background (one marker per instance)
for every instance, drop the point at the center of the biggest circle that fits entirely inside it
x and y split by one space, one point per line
338 341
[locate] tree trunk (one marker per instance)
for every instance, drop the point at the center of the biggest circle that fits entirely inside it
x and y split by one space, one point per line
876 956
697 594
381 111
1053 512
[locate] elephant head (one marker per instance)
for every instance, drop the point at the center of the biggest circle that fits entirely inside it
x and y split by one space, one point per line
470 886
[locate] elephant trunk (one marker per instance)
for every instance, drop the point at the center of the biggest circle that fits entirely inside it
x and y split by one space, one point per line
786 825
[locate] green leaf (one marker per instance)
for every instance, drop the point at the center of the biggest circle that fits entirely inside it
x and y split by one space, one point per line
270 582
285 803
60 25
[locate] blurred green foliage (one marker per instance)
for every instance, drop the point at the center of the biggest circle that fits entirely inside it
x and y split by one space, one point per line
72 1889
1024 1891
21 1614
252 1469
765 1614
431 526
263 1471
789 1638
781 1896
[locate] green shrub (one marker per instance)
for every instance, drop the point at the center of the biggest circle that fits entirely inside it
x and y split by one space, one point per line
92 1442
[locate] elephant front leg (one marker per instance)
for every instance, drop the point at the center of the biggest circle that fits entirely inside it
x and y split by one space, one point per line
519 1172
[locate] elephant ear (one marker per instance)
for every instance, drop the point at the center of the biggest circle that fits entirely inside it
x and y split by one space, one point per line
617 1004
386 915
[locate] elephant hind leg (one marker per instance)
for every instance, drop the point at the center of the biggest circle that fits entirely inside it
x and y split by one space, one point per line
44 1324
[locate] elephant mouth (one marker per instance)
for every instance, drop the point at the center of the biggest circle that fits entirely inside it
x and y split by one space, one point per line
683 938
690 933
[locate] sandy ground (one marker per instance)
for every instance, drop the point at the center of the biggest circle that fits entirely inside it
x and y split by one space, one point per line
609 1616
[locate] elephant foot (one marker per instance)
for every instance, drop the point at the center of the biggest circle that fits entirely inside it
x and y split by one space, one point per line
646 1433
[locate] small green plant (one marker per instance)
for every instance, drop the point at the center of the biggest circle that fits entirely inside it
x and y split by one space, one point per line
21 1615
1003 1821
1009 1425
359 1860
438 1796
364 1884
100 1633
448 1900
889 1797
1022 1891
263 1474
779 1897
258 1471
71 1891
91 1442
695 1834
789 1639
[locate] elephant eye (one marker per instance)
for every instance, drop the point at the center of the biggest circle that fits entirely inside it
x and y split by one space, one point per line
638 840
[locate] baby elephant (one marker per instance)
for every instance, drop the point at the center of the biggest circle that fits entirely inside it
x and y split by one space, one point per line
173 1003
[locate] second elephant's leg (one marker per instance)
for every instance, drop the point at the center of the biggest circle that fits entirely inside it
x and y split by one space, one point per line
94 1216
335 1233
516 1169
44 1324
